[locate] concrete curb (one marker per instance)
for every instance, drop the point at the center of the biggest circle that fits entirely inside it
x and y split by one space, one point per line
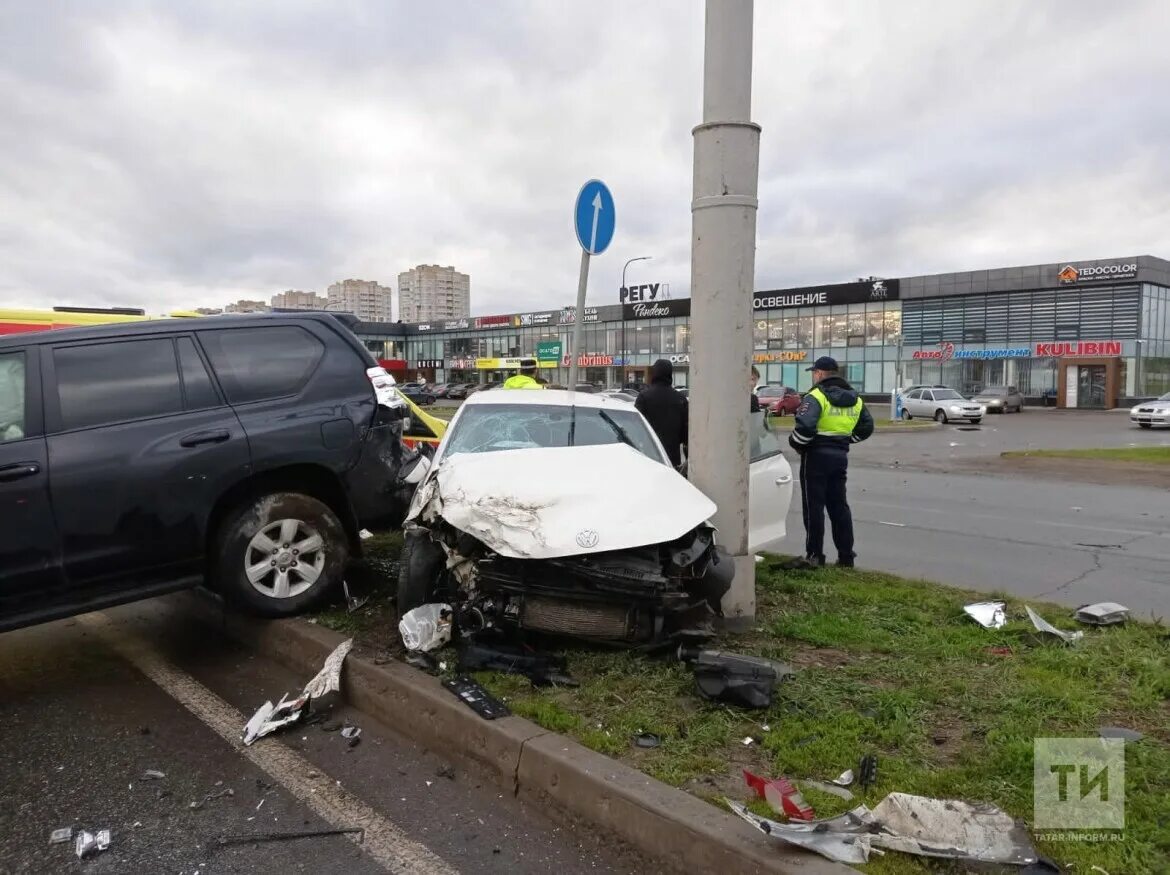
906 429
670 825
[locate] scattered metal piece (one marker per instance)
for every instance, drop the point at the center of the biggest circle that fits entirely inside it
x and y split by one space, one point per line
845 779
989 615
244 838
951 828
365 534
352 602
351 731
825 787
271 717
647 740
867 771
1102 614
747 740
153 775
842 839
60 836
226 791
1043 625
1119 732
88 844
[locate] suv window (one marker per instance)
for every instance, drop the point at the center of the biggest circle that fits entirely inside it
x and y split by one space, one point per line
11 397
256 364
114 382
197 386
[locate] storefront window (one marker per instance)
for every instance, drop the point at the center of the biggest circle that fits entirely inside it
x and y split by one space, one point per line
791 332
893 320
838 330
804 332
856 329
874 326
760 334
776 333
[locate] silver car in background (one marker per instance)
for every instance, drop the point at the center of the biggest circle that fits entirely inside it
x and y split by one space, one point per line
1000 399
1151 413
940 404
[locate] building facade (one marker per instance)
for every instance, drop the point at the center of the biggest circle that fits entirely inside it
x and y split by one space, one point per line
244 306
297 300
1089 333
430 292
365 299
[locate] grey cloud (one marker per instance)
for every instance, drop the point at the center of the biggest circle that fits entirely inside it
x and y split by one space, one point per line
175 154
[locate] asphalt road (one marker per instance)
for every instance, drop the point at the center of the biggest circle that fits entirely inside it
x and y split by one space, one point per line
1068 542
90 705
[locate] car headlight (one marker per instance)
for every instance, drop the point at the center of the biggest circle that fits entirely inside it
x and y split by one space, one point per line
954 408
1162 411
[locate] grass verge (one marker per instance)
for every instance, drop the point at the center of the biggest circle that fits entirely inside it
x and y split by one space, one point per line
886 666
1148 455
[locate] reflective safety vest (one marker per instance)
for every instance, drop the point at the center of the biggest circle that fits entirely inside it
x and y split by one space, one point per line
521 381
836 420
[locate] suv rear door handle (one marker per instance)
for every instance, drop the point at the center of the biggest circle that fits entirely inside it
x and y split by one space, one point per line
205 437
19 471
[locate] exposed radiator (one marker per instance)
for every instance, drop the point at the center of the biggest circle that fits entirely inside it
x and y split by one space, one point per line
588 620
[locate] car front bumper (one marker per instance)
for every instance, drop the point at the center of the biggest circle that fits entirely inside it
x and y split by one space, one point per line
1150 418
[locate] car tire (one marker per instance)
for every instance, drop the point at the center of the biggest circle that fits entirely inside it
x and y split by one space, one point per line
419 568
940 416
906 415
248 536
977 420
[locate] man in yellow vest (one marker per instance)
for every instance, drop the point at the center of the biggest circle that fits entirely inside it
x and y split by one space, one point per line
526 379
830 418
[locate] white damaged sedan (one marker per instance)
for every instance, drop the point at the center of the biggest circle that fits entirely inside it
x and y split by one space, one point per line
559 512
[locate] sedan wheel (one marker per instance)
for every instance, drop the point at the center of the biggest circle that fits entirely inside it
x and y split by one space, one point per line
906 415
940 416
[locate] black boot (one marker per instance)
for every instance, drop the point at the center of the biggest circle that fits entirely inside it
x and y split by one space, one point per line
845 561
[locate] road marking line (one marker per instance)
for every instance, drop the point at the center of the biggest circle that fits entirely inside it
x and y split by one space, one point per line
383 841
885 523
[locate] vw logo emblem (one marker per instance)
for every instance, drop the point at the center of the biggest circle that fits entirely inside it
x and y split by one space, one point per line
587 538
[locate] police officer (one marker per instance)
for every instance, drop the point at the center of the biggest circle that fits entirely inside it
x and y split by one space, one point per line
526 379
831 416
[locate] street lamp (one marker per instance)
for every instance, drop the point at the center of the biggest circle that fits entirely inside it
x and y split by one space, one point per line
624 363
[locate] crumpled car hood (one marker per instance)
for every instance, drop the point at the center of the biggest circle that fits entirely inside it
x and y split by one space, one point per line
562 501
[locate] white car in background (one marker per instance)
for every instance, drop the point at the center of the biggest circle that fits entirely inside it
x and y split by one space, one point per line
1151 413
940 404
559 512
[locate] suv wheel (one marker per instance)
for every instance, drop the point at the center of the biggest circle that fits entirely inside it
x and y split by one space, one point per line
419 568
281 554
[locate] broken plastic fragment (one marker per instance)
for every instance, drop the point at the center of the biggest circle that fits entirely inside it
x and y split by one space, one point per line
198 804
352 602
842 838
1102 614
845 779
88 844
647 740
328 679
989 615
781 794
351 732
1119 732
825 787
269 718
153 775
60 836
427 627
365 534
1043 625
951 829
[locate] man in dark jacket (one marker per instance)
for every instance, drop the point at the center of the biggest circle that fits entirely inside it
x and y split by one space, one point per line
665 408
830 418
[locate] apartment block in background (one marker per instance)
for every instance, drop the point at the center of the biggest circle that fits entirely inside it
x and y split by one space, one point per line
366 299
243 306
430 292
297 300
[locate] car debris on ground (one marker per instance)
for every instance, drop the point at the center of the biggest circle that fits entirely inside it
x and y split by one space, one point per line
218 794
1102 614
827 787
867 771
918 825
1043 625
1119 732
153 775
845 779
271 717
89 844
989 615
734 678
781 794
60 836
245 838
477 698
427 627
543 669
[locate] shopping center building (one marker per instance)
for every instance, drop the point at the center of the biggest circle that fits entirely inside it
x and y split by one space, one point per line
1089 333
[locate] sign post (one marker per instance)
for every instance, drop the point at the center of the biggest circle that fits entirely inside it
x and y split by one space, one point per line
594 222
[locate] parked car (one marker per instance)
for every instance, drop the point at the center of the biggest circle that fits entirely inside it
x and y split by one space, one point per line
418 394
1000 399
620 395
140 458
440 389
560 512
1151 413
770 394
940 404
476 388
458 391
786 403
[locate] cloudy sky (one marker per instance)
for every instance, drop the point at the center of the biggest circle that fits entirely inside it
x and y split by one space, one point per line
178 154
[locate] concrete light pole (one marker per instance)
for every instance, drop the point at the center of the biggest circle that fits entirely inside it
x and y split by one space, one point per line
625 365
723 262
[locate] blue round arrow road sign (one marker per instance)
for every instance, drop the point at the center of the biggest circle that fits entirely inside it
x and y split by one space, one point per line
594 217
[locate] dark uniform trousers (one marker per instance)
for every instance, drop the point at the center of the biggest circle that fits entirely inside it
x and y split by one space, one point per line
822 487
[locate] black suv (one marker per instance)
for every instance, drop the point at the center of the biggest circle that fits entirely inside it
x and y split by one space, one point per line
140 458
